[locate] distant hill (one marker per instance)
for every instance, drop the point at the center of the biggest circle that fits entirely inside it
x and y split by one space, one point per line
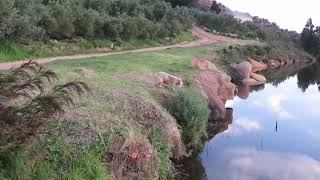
243 16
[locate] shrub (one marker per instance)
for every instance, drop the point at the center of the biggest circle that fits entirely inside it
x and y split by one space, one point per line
192 113
27 101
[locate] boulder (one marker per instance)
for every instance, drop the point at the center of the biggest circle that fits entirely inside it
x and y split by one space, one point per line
257 66
244 69
217 88
258 77
250 82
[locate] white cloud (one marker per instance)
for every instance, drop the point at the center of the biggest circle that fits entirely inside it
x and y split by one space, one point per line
243 125
247 124
250 164
288 14
274 102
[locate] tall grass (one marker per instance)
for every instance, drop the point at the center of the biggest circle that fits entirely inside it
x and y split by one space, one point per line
61 161
192 113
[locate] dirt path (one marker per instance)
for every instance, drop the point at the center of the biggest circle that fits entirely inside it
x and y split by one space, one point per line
204 38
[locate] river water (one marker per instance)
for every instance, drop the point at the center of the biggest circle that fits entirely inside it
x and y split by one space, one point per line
272 133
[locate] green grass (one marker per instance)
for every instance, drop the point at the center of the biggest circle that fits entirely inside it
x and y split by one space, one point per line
118 80
192 114
14 51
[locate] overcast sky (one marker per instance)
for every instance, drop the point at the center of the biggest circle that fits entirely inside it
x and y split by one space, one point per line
288 14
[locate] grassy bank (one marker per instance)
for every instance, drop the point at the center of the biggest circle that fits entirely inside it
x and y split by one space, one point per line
14 51
121 109
124 108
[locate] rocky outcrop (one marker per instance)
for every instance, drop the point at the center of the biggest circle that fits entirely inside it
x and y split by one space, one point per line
216 87
257 66
244 69
258 77
202 64
245 72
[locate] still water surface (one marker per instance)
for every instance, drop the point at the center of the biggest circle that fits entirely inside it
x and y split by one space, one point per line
274 134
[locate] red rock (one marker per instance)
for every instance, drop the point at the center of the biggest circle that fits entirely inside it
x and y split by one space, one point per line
217 88
258 77
257 66
244 69
202 64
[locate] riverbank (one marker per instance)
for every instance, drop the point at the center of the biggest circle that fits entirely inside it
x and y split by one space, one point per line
124 110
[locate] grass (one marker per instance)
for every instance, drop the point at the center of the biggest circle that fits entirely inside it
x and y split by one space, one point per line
54 157
118 80
14 51
192 113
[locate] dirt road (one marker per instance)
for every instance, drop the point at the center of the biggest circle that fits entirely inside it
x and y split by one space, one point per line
203 38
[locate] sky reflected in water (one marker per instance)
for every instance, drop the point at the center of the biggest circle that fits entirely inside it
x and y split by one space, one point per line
275 135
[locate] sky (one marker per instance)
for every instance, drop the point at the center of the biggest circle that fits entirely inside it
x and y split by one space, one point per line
288 14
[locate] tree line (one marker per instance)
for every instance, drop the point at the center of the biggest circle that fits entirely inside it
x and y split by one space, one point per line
310 38
23 20
57 19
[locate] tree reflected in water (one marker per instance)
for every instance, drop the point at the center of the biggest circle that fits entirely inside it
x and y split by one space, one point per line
309 76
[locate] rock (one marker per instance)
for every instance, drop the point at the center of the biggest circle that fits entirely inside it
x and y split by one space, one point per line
218 88
202 64
274 64
258 77
257 66
244 68
250 82
163 78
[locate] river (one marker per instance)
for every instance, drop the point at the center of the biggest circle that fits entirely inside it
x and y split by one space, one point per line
272 133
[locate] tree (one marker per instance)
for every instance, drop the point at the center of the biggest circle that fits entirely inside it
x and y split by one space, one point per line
310 38
27 102
61 22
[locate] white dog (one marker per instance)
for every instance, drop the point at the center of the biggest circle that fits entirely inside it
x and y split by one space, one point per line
162 78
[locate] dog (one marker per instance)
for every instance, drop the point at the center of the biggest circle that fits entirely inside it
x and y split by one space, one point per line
163 78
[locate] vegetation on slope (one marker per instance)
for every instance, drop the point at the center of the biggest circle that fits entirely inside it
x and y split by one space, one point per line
37 28
77 144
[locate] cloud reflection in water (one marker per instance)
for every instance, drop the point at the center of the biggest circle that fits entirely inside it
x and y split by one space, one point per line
250 164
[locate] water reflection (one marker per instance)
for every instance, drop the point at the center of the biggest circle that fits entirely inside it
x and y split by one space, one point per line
218 126
251 164
309 76
272 133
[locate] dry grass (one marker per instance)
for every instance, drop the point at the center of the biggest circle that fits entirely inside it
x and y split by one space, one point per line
133 158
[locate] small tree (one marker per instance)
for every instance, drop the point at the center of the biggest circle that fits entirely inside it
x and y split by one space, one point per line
27 101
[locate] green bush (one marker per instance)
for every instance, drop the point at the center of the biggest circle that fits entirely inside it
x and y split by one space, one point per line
191 112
